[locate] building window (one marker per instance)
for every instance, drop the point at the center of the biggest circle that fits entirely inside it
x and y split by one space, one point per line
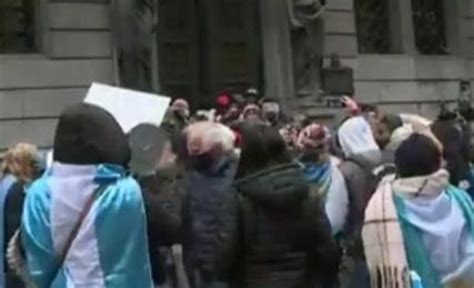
373 26
17 26
429 25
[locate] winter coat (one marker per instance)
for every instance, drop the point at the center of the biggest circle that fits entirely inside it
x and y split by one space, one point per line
283 237
455 139
12 219
362 173
86 199
162 195
205 218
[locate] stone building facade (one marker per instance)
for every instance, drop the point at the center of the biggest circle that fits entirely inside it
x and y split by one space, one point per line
72 47
80 41
403 78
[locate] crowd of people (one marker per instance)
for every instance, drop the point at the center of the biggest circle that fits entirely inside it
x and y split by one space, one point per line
242 196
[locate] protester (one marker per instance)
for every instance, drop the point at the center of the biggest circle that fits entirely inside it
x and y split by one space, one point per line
363 167
282 238
231 116
271 112
19 168
181 107
84 222
251 112
456 142
210 168
420 223
153 164
321 170
386 130
178 114
228 109
268 202
355 136
251 96
223 102
7 181
290 133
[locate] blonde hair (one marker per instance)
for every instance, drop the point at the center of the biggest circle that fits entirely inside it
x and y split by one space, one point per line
20 161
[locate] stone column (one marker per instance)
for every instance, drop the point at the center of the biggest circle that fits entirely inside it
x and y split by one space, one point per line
277 51
401 26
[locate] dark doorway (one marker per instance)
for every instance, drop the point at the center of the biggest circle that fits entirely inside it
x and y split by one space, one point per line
208 46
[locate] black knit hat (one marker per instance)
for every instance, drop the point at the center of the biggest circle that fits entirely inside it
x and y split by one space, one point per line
417 156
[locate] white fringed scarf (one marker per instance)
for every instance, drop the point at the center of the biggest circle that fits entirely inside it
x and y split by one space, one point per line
383 242
382 235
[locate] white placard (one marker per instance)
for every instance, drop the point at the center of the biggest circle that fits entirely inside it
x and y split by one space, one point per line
129 107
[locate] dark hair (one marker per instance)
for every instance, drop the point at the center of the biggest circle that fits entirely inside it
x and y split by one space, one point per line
392 122
417 156
446 114
261 147
456 141
367 108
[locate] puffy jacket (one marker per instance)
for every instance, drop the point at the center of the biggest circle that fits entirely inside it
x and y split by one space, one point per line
283 237
205 218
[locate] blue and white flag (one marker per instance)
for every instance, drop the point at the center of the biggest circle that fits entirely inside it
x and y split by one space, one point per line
110 249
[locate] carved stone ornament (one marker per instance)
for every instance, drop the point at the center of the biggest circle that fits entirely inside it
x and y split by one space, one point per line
303 12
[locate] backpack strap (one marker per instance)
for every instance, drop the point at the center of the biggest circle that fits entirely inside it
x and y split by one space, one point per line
61 257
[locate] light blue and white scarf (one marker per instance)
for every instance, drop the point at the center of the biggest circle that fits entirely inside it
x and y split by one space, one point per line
110 249
438 229
327 183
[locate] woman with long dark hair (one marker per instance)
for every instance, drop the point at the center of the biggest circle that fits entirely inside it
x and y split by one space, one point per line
282 236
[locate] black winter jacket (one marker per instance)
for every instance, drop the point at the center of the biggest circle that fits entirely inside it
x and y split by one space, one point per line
283 238
205 219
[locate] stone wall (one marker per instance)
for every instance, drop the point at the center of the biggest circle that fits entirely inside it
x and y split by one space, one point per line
407 81
74 41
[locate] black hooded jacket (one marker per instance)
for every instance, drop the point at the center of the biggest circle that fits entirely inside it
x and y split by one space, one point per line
283 237
208 191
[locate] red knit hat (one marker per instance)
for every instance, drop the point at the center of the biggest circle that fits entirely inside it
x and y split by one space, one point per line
223 100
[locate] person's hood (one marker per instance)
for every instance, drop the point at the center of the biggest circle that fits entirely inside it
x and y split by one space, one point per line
355 137
279 188
429 186
89 135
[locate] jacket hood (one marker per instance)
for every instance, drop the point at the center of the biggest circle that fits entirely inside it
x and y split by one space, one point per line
355 137
279 188
89 135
